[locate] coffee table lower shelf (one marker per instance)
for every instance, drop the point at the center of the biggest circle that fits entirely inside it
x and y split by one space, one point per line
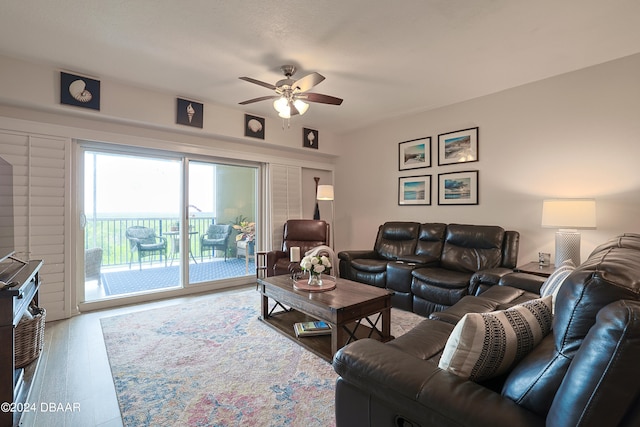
319 345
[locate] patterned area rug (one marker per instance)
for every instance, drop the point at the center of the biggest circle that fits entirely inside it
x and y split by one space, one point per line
135 280
213 363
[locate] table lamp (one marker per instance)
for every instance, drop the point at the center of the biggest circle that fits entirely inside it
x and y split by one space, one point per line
568 215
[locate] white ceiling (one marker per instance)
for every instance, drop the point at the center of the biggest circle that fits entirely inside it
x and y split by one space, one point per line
385 58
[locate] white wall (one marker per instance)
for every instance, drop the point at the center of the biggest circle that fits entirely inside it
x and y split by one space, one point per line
29 106
37 88
576 136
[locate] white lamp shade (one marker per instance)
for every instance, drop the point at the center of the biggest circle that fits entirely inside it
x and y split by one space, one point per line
569 213
301 106
325 192
281 105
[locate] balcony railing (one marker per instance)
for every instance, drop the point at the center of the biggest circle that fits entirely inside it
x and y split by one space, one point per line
110 235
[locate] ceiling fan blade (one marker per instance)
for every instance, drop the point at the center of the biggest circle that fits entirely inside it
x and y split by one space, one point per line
262 98
258 82
307 82
323 99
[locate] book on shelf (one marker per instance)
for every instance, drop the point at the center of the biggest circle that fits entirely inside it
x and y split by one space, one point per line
306 329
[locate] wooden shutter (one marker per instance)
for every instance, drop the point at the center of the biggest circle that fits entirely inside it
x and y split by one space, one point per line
41 197
285 189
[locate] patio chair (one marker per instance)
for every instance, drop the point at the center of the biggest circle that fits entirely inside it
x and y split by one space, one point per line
144 241
93 264
217 237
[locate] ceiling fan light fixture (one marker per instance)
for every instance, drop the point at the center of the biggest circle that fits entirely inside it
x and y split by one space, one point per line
301 106
290 93
282 105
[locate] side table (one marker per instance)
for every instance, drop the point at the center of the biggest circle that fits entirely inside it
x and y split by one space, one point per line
261 264
535 268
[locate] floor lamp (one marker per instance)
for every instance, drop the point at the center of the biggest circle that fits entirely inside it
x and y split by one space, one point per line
325 192
568 215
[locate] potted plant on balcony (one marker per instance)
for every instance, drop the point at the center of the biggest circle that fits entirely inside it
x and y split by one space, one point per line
245 239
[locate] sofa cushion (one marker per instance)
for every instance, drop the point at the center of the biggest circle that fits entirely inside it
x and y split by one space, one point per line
439 286
370 265
553 282
468 304
485 345
425 340
396 239
431 239
471 248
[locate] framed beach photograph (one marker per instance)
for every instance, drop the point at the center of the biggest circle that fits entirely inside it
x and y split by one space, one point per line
458 147
414 190
414 154
458 188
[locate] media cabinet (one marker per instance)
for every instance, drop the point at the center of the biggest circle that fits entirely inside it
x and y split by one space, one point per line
15 384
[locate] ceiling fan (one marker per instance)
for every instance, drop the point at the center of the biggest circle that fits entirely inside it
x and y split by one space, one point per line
291 94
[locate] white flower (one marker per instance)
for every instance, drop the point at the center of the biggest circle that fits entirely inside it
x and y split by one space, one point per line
305 264
315 264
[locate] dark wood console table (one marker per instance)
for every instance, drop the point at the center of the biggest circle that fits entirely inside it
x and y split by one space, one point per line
15 384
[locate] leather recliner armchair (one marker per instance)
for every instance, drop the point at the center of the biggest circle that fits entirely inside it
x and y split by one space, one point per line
303 233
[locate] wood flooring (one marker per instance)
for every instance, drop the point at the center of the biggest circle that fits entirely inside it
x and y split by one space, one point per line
73 386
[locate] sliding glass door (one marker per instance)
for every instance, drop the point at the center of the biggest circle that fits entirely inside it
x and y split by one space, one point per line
157 222
222 216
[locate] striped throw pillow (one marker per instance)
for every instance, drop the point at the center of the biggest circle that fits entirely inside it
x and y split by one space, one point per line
551 286
485 345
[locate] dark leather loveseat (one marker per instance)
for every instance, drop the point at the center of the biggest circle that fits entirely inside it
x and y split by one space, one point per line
431 266
585 372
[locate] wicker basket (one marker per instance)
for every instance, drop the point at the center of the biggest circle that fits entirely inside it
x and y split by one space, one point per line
29 339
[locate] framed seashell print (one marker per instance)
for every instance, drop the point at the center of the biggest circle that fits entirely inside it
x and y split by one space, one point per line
310 138
189 113
253 126
79 91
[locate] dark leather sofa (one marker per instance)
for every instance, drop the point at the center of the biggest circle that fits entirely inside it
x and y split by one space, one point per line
585 372
431 266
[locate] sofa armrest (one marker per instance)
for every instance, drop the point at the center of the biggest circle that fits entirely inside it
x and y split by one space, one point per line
484 279
272 257
524 281
357 254
422 392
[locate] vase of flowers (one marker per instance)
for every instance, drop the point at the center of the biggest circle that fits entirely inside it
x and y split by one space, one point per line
315 265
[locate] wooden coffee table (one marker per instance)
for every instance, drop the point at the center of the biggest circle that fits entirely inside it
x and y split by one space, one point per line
354 310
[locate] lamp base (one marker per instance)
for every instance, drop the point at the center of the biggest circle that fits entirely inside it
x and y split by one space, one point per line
567 247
